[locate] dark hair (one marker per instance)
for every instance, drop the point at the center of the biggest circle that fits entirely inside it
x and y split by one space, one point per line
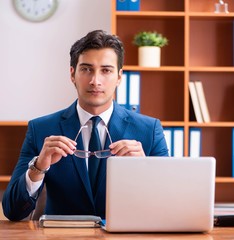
97 39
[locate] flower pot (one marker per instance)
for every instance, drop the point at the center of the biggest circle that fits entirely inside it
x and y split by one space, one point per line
149 56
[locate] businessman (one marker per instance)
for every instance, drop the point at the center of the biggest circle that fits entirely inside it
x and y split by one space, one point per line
67 150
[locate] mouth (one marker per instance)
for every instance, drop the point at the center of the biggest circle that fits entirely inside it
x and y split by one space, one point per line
95 92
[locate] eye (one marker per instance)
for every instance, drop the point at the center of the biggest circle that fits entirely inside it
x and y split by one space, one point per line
86 69
106 70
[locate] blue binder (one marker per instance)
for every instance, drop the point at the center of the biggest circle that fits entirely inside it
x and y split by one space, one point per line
194 142
134 5
178 142
168 134
122 5
134 91
122 95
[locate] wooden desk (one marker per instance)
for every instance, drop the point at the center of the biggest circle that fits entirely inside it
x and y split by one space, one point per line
27 230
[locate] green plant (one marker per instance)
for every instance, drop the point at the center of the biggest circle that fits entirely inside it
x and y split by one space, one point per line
150 39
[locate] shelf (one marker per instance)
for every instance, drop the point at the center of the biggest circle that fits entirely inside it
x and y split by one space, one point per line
149 14
179 69
162 68
224 180
172 124
211 124
13 123
210 15
211 69
5 178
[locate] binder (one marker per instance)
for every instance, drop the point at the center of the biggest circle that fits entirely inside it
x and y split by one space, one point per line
122 5
134 5
168 137
202 101
122 91
194 142
195 102
134 91
178 142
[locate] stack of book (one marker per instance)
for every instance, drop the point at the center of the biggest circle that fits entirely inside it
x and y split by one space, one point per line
199 102
70 221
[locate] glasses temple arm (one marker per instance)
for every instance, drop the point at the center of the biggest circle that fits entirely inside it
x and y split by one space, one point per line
108 134
85 126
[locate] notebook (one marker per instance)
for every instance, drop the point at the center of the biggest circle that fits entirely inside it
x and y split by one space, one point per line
160 194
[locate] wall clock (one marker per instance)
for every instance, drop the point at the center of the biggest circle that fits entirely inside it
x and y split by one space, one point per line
35 10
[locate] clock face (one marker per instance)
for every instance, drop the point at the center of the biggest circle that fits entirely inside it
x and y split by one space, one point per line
35 10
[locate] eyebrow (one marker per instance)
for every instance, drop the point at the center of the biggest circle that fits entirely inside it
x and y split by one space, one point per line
91 65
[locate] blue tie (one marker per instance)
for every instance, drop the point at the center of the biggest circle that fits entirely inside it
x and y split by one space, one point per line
94 145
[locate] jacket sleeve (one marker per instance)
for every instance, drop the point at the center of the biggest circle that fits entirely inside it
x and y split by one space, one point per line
159 145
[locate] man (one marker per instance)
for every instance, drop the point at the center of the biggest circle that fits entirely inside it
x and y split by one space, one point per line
52 150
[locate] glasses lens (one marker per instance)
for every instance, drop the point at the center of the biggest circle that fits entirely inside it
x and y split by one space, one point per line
103 153
81 154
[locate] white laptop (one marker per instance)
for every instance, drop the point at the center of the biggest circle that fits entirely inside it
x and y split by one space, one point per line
160 194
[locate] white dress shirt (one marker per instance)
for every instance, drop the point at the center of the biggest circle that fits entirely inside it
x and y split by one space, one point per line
32 187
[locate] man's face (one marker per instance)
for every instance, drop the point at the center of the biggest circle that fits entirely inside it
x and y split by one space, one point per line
96 78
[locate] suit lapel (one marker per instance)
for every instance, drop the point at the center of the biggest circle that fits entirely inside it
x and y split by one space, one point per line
70 126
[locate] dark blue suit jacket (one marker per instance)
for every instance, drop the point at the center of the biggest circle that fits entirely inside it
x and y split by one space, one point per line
67 182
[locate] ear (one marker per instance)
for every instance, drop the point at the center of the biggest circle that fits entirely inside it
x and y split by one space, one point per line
119 76
72 74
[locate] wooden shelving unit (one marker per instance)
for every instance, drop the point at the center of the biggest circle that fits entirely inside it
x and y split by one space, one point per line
201 47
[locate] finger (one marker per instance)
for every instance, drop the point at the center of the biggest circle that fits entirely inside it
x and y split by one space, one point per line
71 143
61 142
124 147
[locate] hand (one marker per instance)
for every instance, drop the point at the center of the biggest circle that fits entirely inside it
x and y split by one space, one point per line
54 148
127 148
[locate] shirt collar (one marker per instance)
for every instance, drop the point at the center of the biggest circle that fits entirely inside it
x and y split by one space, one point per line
84 116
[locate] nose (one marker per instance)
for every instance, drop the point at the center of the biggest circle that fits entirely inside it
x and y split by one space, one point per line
95 79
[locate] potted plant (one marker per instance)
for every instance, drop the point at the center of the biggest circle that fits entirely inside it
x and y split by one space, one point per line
149 48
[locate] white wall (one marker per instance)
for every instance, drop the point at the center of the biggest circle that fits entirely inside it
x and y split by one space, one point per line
34 57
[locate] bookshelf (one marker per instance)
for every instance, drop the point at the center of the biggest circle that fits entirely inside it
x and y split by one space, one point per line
201 48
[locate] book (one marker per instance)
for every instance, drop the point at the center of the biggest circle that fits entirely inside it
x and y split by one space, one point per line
194 142
202 101
195 102
224 215
69 221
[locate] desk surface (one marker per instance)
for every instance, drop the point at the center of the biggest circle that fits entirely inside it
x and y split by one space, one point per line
27 230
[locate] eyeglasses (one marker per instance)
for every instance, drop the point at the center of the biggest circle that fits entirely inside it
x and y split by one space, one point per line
99 154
